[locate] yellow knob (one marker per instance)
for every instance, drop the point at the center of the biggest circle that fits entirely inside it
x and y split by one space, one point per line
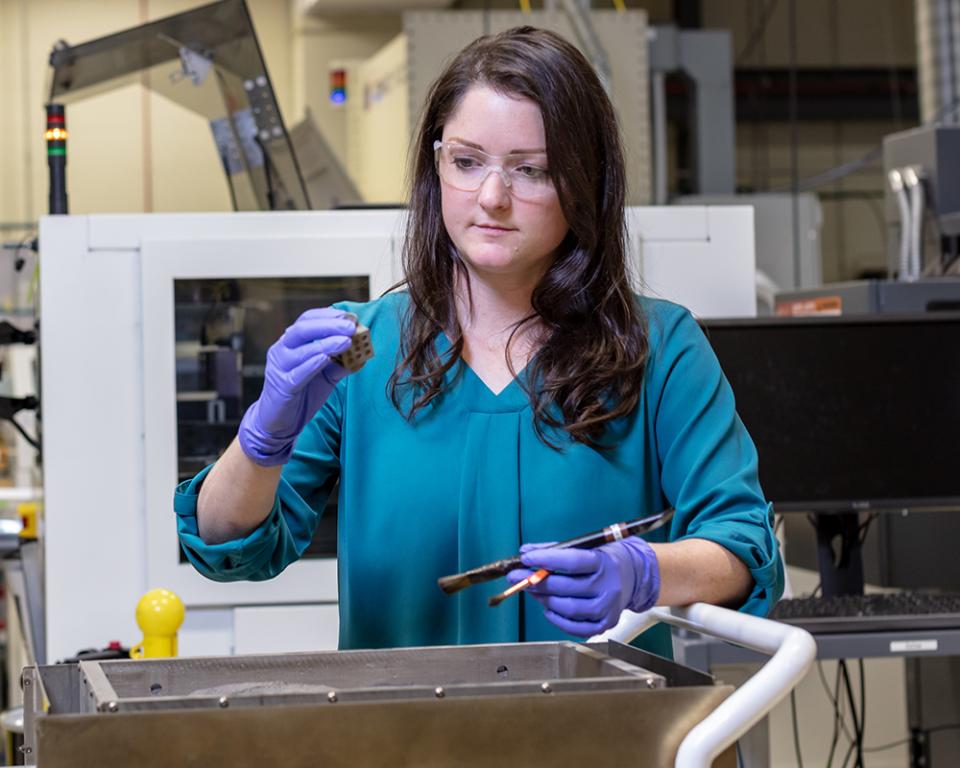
28 516
159 615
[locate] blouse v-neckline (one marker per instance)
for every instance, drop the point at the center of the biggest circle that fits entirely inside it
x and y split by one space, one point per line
477 395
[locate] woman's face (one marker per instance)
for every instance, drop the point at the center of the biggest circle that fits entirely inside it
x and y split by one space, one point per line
496 233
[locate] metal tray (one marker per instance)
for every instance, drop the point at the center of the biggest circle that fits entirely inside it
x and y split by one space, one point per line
531 703
305 678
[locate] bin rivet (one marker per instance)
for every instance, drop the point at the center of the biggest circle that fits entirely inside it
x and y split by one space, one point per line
25 750
332 697
26 682
651 683
439 692
224 702
112 706
545 687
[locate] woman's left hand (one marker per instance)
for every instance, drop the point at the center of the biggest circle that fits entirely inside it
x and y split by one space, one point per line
587 589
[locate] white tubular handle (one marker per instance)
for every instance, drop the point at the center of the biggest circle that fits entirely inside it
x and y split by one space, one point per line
895 178
915 184
792 652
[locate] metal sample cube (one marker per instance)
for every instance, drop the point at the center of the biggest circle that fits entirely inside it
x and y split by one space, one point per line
361 350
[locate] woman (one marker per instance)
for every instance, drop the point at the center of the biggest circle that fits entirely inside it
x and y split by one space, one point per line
520 392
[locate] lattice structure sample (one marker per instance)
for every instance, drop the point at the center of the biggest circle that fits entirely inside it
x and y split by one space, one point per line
361 350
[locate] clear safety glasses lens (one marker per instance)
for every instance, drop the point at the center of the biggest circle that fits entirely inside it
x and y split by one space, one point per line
466 169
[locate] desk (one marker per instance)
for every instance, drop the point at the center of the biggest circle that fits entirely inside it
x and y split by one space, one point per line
705 654
702 653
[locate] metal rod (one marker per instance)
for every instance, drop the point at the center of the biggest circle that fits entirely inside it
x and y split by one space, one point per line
616 532
659 105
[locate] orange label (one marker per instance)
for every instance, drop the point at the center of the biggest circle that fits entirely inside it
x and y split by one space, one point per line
820 306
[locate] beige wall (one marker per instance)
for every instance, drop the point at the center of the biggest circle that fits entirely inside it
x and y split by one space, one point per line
129 149
322 41
830 33
854 234
848 34
870 31
375 158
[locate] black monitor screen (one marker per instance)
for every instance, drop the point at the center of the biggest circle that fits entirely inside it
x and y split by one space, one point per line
849 413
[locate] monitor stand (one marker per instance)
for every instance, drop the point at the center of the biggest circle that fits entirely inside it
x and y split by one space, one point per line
839 553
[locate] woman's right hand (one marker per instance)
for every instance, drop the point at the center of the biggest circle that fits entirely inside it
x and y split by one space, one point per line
299 377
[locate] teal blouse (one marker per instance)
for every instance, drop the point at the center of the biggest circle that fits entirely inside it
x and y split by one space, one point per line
469 481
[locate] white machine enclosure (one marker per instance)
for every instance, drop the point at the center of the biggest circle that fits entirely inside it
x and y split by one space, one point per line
109 398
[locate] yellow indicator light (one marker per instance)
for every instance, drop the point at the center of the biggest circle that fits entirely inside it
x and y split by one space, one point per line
56 134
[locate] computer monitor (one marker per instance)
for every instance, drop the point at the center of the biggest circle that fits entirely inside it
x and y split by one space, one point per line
848 414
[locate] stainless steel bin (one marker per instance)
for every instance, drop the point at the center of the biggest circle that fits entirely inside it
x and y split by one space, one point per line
527 703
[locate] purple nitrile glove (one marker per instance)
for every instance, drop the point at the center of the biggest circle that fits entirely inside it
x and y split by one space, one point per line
299 377
587 589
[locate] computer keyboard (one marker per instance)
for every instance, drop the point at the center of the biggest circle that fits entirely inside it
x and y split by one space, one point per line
878 612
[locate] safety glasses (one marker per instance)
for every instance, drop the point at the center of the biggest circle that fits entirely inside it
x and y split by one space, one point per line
466 168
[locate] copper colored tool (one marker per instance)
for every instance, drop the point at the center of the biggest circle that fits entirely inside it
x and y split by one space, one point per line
532 580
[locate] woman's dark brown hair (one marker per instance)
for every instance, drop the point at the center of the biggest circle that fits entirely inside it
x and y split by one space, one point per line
589 369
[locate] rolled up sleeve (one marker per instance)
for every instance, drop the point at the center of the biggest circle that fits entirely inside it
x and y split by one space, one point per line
709 464
284 535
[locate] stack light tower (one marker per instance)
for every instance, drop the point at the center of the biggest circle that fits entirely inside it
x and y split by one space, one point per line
56 136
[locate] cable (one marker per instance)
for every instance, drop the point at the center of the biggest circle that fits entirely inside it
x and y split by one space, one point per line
796 728
891 745
863 708
898 742
865 526
839 721
757 35
226 170
30 242
858 733
268 175
525 6
851 166
834 174
938 728
619 5
24 242
846 757
23 432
